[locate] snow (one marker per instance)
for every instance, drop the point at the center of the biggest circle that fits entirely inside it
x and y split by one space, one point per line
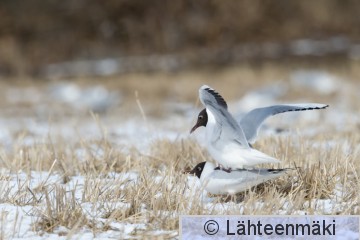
264 96
303 47
95 98
319 81
18 220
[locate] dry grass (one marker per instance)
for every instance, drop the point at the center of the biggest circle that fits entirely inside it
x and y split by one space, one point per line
161 193
89 190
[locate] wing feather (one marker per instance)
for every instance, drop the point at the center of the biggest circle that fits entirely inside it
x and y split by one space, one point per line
252 121
218 107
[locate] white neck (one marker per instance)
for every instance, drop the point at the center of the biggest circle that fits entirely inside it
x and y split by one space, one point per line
211 118
210 124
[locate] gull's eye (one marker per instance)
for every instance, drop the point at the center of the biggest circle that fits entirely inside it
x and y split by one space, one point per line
199 169
200 117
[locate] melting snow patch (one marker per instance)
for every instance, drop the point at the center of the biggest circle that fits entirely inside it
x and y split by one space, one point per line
95 98
262 97
319 81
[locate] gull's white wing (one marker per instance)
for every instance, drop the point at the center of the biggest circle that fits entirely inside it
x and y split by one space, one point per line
251 122
226 126
247 174
221 182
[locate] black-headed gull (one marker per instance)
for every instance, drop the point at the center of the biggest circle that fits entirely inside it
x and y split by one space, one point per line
228 139
221 182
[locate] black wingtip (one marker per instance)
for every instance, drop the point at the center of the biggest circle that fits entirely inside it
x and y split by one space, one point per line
304 109
275 171
219 99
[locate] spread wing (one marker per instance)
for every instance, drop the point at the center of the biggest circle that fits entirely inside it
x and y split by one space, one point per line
226 126
251 122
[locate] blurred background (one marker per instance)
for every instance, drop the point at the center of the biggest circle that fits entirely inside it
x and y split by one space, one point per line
127 59
44 38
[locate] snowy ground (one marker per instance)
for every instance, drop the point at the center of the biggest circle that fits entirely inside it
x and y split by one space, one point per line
60 164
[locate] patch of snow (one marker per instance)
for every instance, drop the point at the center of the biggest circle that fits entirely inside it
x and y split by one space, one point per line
303 47
319 81
262 97
96 98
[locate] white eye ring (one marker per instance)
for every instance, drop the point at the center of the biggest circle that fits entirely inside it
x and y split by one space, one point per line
199 168
200 117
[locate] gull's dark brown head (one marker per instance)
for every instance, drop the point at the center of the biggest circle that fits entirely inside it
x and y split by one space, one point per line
201 120
198 169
